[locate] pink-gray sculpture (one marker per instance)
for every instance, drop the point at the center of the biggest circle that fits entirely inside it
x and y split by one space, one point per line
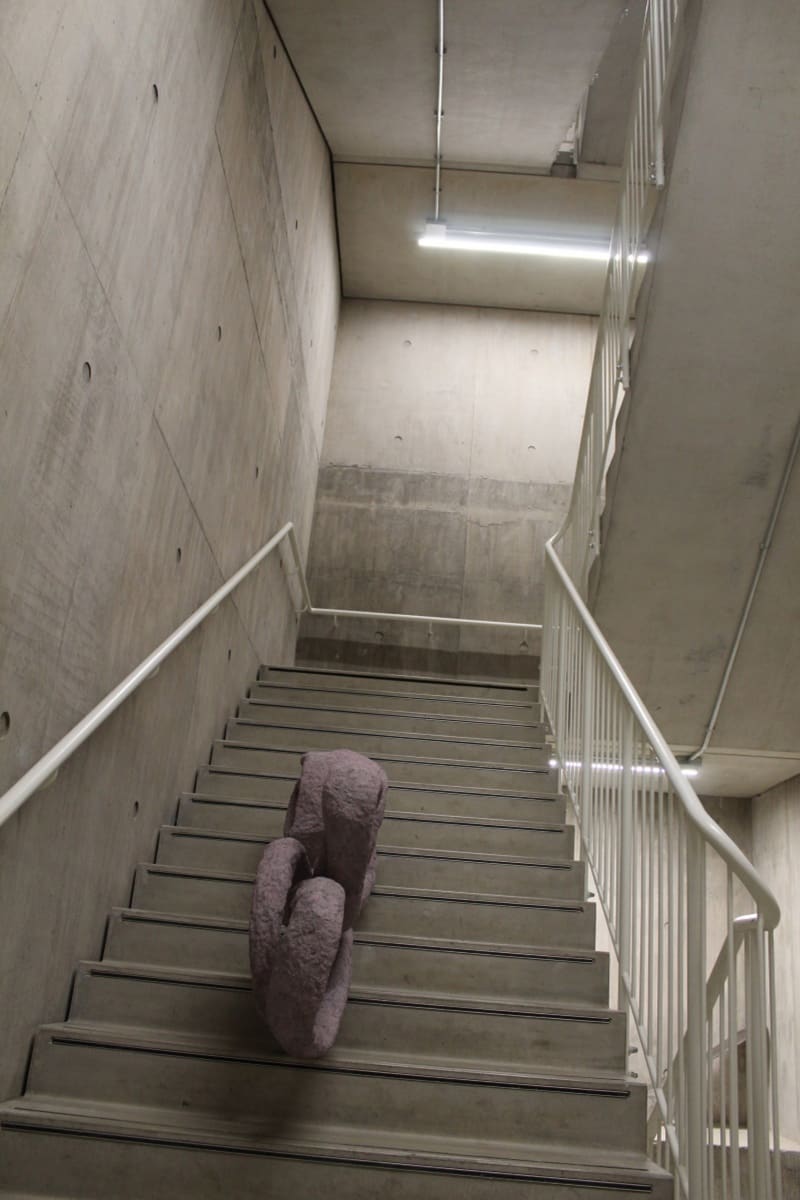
310 887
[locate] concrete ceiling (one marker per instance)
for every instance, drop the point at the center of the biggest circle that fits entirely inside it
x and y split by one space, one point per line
380 210
516 72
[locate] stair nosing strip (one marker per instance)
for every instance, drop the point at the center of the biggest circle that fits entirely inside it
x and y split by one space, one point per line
62 1033
436 1001
400 734
344 672
389 851
405 942
640 1172
386 712
437 697
493 899
511 768
399 785
399 814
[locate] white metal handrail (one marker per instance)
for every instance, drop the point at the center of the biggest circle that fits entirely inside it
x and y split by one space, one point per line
649 843
44 771
646 837
525 626
47 767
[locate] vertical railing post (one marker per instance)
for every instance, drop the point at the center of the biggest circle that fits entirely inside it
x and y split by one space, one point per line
758 1062
587 748
696 1081
625 881
561 672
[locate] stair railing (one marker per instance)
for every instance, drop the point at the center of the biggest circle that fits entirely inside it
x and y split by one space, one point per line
707 1039
651 848
641 176
44 771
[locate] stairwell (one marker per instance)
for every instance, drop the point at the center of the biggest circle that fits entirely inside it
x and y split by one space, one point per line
477 1055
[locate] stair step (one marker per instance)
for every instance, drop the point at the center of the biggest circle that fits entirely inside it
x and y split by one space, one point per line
427 1028
433 685
431 870
265 819
521 708
502 804
406 867
344 1096
476 1056
511 974
431 769
79 1152
399 720
418 913
372 742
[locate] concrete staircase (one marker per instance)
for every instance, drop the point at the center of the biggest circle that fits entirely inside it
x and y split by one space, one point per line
477 1056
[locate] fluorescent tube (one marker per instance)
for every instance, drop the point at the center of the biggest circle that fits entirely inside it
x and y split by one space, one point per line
439 236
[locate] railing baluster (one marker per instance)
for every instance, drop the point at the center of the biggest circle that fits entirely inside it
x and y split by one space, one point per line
646 837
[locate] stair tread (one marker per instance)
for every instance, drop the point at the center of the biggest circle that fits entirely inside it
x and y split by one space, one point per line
500 899
411 714
401 734
428 760
470 856
362 1062
275 685
343 672
420 759
454 789
448 1155
439 945
394 814
386 996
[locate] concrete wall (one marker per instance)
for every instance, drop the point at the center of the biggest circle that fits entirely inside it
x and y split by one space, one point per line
448 459
776 851
168 297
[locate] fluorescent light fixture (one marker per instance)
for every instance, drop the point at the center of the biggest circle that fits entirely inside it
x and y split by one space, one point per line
638 769
439 236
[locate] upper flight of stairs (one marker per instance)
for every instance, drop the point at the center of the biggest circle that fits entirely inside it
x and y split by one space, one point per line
477 1056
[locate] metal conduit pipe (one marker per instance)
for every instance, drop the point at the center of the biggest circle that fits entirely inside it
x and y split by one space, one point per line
764 548
439 113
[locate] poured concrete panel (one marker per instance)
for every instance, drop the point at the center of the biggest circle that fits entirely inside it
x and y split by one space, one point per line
27 31
459 391
131 167
451 440
611 93
161 416
515 73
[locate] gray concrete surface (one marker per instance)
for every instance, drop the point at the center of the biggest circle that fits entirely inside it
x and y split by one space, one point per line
182 245
610 94
382 212
514 76
452 435
712 413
